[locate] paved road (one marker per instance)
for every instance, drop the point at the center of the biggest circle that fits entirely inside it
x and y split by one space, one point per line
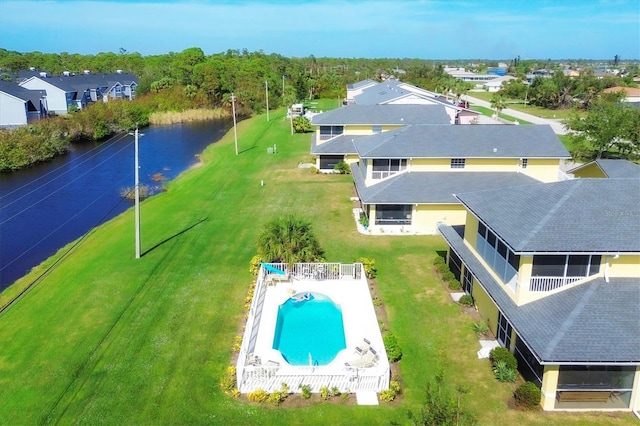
556 125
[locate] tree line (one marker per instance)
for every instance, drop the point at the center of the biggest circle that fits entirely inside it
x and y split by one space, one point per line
178 81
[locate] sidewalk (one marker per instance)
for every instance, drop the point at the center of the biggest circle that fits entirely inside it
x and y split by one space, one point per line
556 125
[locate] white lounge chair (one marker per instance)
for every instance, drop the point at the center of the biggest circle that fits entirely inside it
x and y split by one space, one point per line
363 347
369 359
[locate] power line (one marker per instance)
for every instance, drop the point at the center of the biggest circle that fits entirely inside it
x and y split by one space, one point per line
66 222
58 261
92 151
63 186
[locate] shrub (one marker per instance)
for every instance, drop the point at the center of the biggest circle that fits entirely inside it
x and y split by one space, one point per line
528 396
454 284
258 395
448 276
442 268
342 167
324 392
480 327
503 354
276 398
335 391
254 265
394 385
314 170
387 395
466 300
503 372
369 266
306 391
441 407
228 383
439 260
364 220
394 352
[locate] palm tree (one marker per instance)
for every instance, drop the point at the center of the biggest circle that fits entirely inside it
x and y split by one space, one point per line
288 239
498 103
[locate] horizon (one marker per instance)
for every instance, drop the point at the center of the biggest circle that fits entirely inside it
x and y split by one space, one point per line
587 30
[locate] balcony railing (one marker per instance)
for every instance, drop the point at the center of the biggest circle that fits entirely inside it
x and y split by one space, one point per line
551 283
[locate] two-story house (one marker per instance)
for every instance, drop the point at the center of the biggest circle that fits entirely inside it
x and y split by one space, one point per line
554 269
406 178
332 142
396 92
80 90
607 168
18 105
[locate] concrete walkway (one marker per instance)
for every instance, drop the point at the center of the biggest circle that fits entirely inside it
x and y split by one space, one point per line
556 125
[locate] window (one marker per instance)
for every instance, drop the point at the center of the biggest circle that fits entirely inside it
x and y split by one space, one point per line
455 264
393 214
496 253
504 331
582 265
612 380
328 132
528 365
467 282
457 163
383 168
376 129
524 163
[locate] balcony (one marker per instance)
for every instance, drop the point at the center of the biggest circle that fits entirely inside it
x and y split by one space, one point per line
551 283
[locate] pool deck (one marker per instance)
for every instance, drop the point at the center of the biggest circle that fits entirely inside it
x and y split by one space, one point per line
264 367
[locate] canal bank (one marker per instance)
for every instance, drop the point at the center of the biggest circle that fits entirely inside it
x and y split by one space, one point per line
45 207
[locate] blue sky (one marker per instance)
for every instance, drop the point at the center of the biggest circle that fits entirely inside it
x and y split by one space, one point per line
427 29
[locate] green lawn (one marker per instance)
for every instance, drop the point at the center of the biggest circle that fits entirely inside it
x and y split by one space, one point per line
518 105
489 113
107 339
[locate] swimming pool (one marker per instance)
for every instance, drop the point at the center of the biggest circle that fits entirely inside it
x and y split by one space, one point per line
309 331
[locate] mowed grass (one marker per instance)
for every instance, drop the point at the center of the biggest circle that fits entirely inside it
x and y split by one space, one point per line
489 113
519 105
107 339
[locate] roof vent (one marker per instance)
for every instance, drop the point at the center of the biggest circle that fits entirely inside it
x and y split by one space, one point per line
87 72
32 68
67 73
119 71
495 149
44 74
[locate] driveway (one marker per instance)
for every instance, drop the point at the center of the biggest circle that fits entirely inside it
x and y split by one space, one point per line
556 125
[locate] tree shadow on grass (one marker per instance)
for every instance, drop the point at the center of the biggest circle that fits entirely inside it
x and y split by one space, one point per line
177 234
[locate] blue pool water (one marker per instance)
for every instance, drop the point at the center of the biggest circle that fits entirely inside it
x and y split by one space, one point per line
309 327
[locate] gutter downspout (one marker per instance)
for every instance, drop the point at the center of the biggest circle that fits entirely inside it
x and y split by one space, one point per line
634 406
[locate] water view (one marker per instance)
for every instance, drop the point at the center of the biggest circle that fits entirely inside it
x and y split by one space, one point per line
47 206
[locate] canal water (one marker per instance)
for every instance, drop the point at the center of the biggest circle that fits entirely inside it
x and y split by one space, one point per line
45 207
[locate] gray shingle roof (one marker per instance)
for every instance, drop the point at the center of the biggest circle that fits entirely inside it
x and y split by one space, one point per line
399 115
614 168
394 90
20 92
464 141
359 84
591 322
432 187
338 145
579 215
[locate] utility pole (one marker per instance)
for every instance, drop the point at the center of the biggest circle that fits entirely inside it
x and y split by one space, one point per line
137 193
266 92
235 132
